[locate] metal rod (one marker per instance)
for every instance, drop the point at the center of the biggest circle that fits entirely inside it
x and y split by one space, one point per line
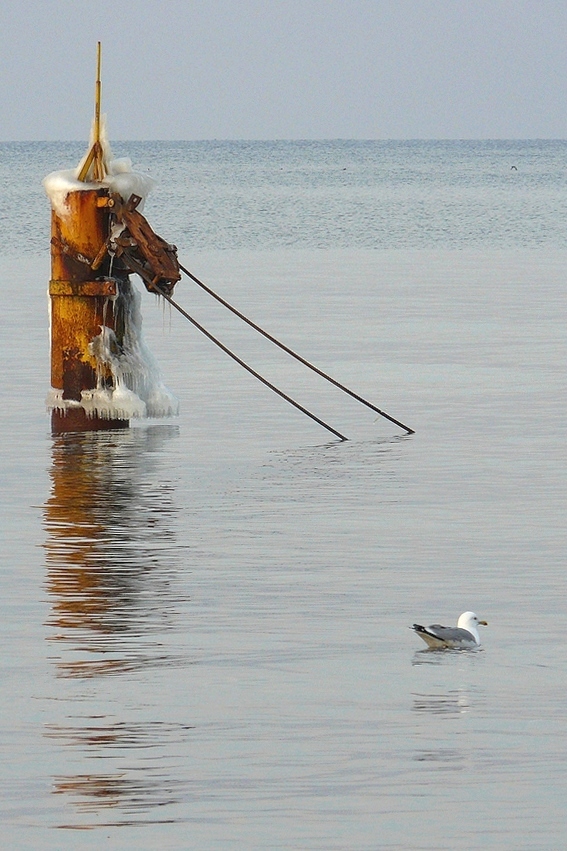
95 157
98 86
247 367
98 166
294 354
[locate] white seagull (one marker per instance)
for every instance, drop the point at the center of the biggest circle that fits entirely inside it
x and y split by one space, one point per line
462 637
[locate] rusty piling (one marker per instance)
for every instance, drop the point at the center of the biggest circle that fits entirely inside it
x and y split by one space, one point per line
80 306
80 299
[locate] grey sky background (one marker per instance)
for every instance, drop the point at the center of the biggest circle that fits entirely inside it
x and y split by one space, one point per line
285 69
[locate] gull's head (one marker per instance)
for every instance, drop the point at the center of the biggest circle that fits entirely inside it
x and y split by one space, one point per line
468 620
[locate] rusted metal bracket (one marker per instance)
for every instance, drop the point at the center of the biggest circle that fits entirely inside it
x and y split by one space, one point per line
141 249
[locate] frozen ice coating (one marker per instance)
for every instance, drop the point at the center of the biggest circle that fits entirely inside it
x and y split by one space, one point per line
136 374
119 178
126 182
138 390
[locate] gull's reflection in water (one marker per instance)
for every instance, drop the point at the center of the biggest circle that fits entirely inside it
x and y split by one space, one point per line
449 705
452 703
113 566
442 713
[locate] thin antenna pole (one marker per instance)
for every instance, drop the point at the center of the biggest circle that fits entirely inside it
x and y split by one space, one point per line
95 156
98 164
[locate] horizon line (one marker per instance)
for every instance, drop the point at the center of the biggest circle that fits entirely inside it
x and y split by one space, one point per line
308 139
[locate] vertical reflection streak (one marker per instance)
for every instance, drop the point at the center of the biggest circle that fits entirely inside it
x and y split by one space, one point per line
112 560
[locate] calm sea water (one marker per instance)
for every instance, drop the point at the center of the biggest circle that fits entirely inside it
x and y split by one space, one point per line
204 621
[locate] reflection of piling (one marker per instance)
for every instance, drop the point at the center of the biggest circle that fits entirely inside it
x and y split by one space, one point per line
79 306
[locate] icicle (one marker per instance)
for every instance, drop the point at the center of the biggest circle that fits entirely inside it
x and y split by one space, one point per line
137 388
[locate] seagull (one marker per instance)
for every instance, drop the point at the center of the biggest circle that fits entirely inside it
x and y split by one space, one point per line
462 637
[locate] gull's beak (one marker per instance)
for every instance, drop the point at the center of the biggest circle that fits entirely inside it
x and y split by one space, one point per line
483 623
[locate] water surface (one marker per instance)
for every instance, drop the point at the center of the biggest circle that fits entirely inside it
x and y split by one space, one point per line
205 620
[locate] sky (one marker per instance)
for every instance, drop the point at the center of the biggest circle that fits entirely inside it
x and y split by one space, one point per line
285 69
